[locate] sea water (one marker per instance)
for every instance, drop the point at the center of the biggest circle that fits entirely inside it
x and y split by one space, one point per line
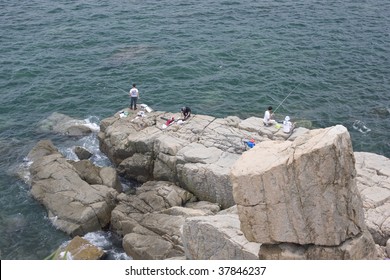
220 57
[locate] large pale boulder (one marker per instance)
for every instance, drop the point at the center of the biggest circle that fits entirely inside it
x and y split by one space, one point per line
301 192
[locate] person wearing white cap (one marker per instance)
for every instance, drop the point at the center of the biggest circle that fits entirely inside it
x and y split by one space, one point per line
288 126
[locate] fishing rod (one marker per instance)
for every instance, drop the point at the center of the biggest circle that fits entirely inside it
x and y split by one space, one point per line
287 96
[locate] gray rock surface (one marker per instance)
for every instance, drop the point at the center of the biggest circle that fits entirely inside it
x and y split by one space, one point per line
150 220
82 153
196 155
217 237
303 192
373 181
194 160
74 206
96 175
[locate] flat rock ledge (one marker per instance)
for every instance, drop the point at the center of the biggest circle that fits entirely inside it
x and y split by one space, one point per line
196 155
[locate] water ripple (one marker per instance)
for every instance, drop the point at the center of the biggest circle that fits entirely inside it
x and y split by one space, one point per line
221 57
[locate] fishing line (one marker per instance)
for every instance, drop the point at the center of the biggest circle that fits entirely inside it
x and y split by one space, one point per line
287 96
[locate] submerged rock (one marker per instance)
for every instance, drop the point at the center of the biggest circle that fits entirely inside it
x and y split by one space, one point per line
63 124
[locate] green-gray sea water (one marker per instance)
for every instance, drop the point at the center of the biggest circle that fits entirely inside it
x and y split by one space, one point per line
331 59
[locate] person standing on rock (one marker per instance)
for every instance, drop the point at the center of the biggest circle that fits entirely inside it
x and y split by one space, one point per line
134 95
268 117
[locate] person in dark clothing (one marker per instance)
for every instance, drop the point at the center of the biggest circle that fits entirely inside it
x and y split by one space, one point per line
186 112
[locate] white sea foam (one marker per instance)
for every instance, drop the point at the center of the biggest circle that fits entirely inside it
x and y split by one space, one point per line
107 241
99 239
89 142
23 170
66 255
92 123
361 127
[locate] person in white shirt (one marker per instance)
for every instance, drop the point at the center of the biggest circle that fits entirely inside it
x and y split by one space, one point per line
134 94
288 126
268 117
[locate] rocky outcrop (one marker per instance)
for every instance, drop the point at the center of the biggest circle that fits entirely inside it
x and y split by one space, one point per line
196 155
373 181
304 188
303 192
96 175
150 220
74 206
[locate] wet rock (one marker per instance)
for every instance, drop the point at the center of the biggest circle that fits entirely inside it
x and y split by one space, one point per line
82 153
